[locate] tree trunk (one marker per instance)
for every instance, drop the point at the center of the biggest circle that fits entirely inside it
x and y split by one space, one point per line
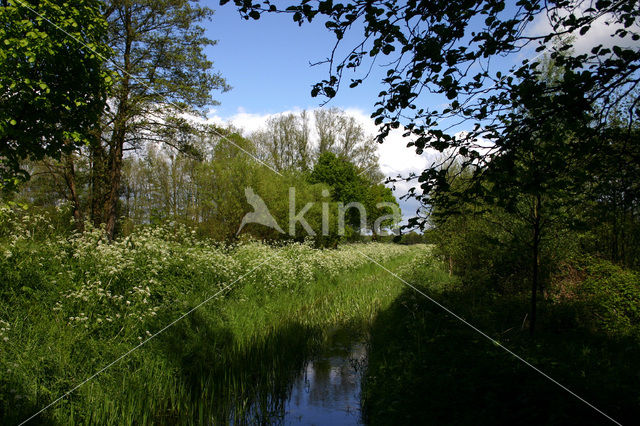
536 263
614 239
98 163
115 173
119 134
70 179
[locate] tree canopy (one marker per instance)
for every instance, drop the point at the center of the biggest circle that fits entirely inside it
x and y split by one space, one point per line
161 73
350 185
53 83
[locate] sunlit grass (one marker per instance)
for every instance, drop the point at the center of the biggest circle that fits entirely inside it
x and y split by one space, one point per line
72 305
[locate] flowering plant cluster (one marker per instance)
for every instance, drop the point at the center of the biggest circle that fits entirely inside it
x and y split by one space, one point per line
123 287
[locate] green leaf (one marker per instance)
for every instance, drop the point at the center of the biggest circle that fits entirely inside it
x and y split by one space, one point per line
330 92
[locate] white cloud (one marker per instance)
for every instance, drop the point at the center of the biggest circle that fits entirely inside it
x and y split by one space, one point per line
600 32
243 120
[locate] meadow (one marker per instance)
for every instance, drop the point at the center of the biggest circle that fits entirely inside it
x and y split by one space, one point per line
70 304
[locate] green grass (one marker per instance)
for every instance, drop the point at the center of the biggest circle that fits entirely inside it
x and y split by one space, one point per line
71 305
232 359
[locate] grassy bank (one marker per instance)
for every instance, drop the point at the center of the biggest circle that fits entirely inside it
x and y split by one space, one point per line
72 305
427 367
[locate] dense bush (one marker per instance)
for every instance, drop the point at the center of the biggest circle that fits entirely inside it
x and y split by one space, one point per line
427 367
606 296
120 285
479 250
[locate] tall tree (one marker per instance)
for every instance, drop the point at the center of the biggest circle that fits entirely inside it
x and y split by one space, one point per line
342 135
349 185
613 215
540 180
289 142
53 85
285 143
382 208
161 73
537 173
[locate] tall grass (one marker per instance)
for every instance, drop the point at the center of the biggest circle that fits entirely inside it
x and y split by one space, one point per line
71 304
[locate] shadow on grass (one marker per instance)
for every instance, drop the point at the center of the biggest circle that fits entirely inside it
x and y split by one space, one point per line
425 367
233 381
14 407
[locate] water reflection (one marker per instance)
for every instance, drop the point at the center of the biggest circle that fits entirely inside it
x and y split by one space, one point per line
327 392
297 377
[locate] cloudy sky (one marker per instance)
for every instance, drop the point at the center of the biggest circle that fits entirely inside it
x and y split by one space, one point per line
268 64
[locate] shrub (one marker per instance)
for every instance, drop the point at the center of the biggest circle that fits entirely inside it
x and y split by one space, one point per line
612 296
604 296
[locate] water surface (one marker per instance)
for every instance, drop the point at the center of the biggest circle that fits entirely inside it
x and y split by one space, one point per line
327 391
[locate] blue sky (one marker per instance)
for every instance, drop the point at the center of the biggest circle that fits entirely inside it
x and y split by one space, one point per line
268 61
268 64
